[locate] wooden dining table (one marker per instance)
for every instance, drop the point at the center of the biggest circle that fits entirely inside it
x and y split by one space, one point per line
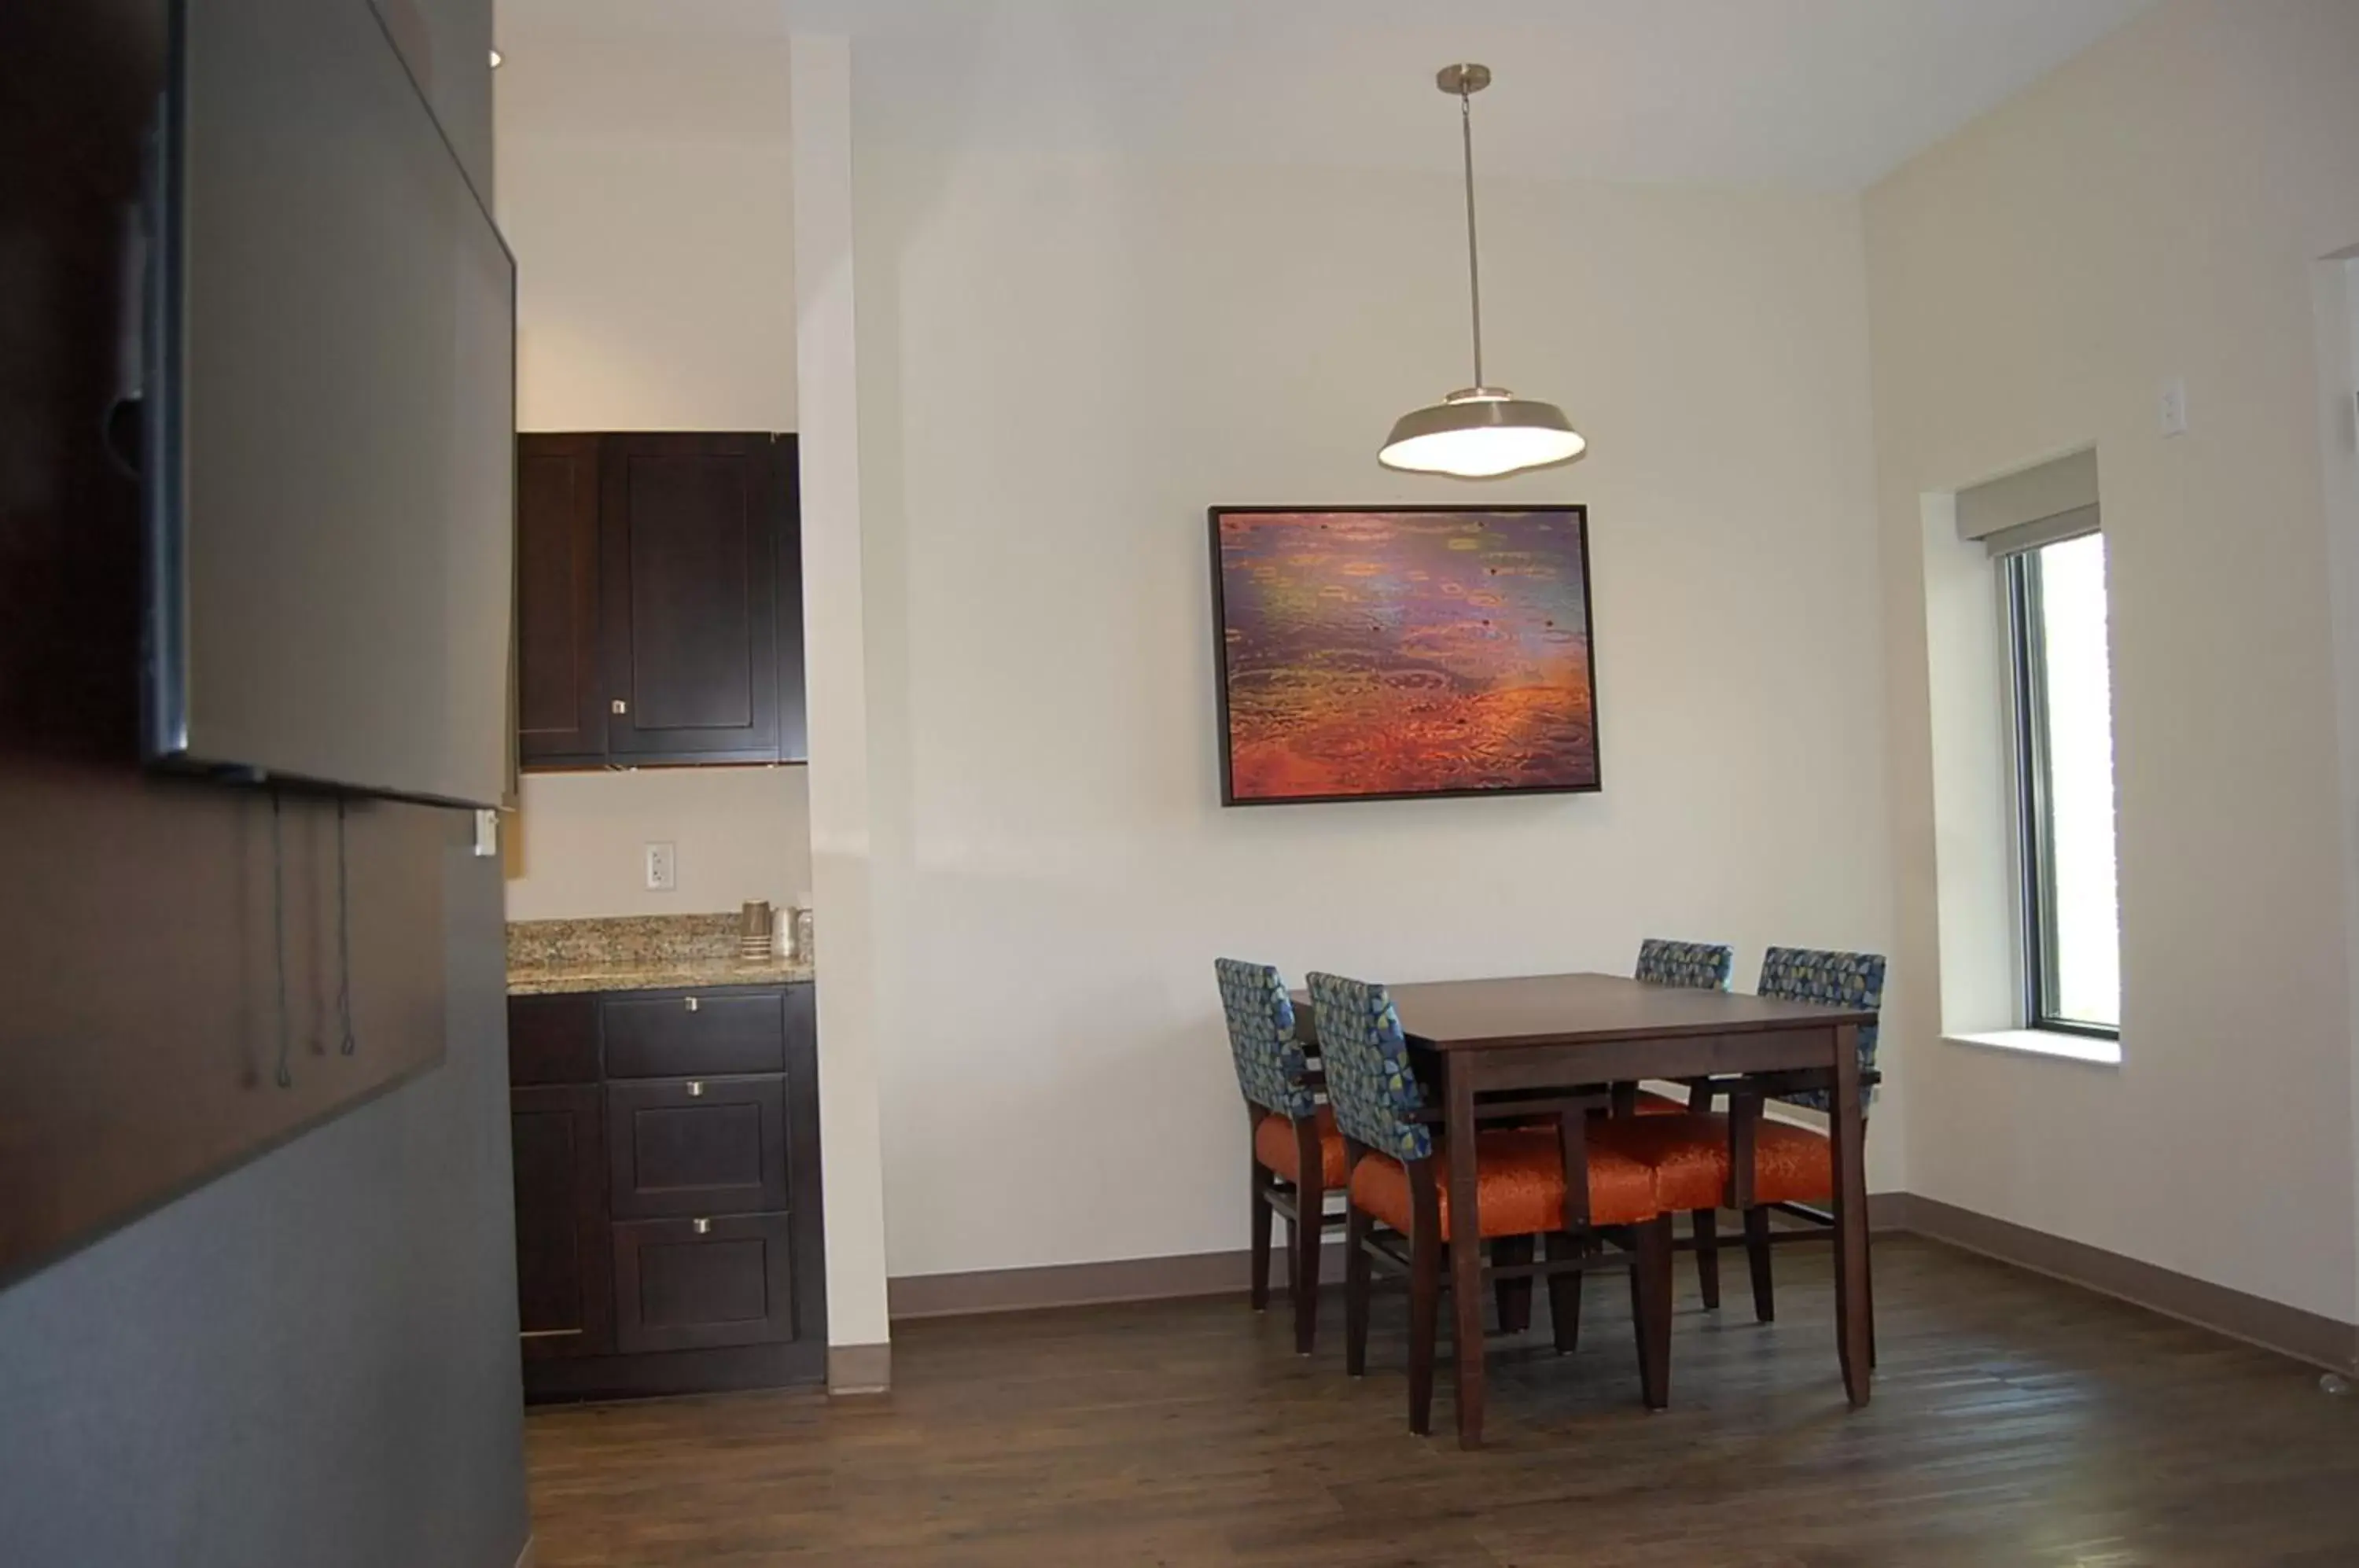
1474 1039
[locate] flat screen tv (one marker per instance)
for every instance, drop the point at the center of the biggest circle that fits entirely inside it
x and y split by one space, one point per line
329 418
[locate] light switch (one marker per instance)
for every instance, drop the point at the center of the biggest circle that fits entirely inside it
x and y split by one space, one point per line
663 869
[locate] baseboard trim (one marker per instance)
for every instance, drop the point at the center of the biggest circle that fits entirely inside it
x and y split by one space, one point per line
859 1369
2289 1331
1165 1278
1082 1284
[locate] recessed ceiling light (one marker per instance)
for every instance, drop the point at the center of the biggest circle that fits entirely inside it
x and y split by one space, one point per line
495 60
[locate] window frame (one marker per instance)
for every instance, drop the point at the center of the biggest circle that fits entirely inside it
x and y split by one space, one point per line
2027 639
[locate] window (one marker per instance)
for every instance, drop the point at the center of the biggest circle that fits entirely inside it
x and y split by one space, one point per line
2064 764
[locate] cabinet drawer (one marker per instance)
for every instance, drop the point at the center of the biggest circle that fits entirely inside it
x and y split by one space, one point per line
705 1146
703 1283
553 1039
676 1034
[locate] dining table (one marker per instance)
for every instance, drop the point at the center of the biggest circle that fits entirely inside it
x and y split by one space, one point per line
1477 1040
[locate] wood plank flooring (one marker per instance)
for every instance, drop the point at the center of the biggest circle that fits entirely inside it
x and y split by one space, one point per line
2015 1421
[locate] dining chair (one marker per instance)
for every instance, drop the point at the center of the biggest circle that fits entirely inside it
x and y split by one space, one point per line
1398 1171
1792 1167
1702 966
1298 1156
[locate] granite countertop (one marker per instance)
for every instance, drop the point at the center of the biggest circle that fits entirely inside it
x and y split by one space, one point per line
650 952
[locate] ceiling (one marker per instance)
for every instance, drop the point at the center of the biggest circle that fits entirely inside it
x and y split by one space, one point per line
1820 93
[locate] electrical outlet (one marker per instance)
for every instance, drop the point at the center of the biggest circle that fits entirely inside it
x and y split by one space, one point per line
2173 407
663 869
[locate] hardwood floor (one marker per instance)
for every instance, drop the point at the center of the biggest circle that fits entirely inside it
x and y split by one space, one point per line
2015 1421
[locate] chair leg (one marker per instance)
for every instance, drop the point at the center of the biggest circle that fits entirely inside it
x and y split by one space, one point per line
1565 1291
1258 1249
1355 1293
1707 1255
1757 1253
1867 1289
1309 1237
1513 1297
1424 1293
1650 1306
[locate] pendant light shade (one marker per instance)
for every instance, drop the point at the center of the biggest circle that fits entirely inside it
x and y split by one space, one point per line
1481 432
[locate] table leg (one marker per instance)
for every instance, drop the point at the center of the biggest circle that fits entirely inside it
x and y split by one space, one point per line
1846 1135
1465 1252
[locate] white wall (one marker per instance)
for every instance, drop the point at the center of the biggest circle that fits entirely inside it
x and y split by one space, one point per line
2156 207
834 572
645 185
1062 362
576 848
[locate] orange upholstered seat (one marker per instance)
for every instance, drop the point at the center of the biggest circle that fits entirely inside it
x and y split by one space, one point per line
1653 1104
1791 1164
1274 1147
1522 1185
1687 1154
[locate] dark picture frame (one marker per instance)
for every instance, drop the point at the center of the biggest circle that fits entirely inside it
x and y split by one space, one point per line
1558 773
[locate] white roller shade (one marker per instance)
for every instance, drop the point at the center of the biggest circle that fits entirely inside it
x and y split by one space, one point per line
2037 506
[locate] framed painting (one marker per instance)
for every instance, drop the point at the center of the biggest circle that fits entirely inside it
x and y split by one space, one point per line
1400 653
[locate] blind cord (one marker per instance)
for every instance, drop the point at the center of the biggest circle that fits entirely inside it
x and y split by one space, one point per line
285 1074
344 934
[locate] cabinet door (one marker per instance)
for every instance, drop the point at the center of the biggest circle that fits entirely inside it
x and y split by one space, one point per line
787 487
700 1146
564 1271
703 1283
689 552
560 688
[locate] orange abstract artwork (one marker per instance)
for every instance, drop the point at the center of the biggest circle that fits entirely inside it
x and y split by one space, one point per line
1439 651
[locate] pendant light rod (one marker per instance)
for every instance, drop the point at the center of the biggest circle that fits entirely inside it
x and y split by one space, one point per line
1474 252
1463 81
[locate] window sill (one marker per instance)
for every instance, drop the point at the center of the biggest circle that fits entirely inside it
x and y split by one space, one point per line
2087 1048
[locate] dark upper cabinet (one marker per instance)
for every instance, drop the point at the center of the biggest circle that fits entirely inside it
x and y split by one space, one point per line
659 609
560 690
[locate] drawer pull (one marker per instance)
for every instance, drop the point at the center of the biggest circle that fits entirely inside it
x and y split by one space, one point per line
696 1091
703 1227
693 1004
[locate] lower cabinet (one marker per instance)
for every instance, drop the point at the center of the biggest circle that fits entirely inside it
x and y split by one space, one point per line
667 1203
564 1304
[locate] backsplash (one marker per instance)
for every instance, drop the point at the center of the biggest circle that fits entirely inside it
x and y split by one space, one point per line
649 941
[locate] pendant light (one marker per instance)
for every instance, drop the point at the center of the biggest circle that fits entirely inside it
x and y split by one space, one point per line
1480 432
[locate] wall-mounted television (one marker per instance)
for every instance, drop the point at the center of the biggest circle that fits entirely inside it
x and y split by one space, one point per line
329 418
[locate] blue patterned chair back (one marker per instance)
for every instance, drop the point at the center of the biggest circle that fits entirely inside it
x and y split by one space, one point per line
1261 1037
1701 965
1370 1084
1854 980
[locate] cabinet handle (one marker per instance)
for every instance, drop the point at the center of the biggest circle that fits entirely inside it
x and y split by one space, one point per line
696 1091
693 1004
620 706
703 1227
